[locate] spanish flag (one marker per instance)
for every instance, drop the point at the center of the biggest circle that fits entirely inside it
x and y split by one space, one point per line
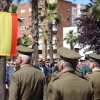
8 34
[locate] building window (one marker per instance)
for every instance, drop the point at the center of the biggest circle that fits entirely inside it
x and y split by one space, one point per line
30 17
30 9
22 28
74 14
68 9
30 27
22 11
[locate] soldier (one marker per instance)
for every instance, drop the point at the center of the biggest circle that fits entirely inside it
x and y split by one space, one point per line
66 85
94 77
27 83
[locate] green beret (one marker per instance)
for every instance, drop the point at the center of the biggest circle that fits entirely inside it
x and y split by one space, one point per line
66 53
95 57
24 50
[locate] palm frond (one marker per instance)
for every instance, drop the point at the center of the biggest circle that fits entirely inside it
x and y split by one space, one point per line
52 6
20 21
94 10
13 8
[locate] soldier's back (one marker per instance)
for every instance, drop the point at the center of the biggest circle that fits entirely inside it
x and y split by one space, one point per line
30 83
94 77
70 87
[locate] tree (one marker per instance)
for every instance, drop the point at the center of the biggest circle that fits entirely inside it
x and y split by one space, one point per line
13 9
34 30
50 14
24 40
44 36
89 32
70 38
94 9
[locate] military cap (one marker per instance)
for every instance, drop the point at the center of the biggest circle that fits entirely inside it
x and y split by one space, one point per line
24 50
94 57
66 53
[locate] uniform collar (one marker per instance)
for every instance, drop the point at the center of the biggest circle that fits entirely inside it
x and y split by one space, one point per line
57 75
25 65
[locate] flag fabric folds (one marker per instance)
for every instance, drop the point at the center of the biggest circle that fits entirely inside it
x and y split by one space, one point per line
8 33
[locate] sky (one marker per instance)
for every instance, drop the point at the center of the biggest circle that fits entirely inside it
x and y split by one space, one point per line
84 2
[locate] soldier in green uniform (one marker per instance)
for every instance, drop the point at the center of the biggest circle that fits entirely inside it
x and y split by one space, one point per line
66 85
27 83
94 77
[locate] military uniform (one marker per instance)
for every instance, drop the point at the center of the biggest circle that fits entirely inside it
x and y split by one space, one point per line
94 77
27 83
67 85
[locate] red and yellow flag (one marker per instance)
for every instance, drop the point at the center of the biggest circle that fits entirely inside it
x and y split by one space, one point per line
8 34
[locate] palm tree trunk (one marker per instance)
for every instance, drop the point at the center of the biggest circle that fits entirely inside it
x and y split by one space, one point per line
45 41
50 41
2 78
34 30
71 46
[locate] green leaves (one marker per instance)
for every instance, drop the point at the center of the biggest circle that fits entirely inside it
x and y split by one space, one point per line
94 10
52 6
13 8
70 37
24 40
50 12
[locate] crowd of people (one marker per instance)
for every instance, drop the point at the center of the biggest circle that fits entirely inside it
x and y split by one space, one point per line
68 78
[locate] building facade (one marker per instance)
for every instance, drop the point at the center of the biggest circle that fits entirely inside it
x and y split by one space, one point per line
68 12
24 13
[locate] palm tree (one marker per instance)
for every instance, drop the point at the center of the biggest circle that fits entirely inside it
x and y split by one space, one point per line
50 14
70 38
94 10
13 9
24 40
34 31
44 36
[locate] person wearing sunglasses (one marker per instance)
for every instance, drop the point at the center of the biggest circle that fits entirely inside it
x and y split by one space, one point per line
41 66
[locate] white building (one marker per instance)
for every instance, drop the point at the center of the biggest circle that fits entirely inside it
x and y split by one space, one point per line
82 50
